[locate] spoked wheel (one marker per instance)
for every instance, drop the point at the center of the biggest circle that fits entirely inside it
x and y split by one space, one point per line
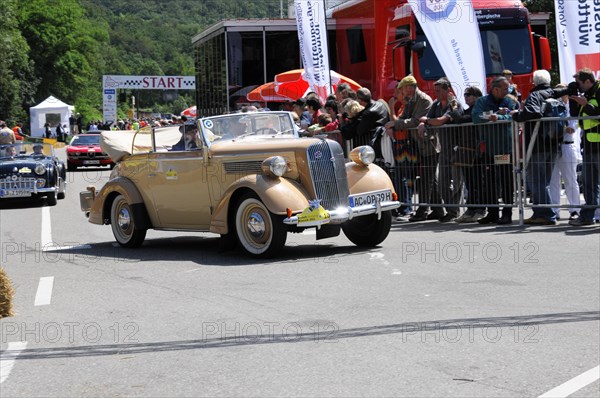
261 233
368 231
123 224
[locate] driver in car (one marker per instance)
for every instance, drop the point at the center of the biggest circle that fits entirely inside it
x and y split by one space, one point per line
11 151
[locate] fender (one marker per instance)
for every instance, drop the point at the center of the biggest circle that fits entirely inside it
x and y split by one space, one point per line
367 178
276 193
100 209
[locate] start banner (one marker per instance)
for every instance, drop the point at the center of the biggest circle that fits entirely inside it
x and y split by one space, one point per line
312 34
452 30
577 36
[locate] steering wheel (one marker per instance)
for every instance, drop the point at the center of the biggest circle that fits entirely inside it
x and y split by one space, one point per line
265 131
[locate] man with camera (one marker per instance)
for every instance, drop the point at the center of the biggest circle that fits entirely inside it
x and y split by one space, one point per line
588 104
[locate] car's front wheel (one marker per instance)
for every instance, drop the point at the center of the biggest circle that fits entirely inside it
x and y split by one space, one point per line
51 199
368 231
260 232
123 224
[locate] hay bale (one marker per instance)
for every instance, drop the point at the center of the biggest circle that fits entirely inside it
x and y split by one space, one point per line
6 295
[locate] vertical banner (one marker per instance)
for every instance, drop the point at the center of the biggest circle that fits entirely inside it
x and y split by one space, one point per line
453 33
312 34
577 36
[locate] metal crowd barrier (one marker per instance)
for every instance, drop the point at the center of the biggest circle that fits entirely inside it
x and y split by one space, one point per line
490 165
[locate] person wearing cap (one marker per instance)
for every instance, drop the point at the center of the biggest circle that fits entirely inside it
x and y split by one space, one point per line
417 104
588 104
7 136
450 181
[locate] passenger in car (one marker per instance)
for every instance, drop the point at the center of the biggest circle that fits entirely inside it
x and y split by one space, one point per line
38 149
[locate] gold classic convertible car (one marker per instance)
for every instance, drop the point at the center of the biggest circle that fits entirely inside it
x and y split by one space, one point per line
248 177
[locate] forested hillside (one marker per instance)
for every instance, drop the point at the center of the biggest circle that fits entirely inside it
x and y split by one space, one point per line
63 47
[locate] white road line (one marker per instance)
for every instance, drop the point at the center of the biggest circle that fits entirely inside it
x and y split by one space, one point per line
46 238
6 364
573 385
44 291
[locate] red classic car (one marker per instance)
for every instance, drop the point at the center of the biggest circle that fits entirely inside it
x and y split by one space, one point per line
84 151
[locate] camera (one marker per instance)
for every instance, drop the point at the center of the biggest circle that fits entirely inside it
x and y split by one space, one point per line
573 88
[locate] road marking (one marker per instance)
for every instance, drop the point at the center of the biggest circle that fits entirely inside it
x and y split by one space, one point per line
46 238
6 364
44 291
573 385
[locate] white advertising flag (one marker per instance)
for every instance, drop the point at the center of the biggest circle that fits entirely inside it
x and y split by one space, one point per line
312 34
577 36
451 28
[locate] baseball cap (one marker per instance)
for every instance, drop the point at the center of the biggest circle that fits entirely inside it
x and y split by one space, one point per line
407 81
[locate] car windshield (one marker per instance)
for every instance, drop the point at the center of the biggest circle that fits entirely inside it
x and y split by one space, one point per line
23 150
248 126
85 140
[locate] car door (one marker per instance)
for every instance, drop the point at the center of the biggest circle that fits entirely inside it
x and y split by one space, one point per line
178 184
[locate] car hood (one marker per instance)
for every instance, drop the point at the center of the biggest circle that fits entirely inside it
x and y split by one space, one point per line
83 147
9 167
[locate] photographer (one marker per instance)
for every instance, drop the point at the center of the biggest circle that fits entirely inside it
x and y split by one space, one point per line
588 105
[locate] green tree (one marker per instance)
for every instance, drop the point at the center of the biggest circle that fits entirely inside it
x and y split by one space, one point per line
17 81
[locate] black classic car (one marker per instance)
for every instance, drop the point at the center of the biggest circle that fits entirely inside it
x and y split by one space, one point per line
31 170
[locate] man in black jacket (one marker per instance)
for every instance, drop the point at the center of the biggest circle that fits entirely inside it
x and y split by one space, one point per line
544 147
373 116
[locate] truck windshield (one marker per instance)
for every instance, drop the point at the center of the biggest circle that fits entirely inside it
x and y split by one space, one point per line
503 48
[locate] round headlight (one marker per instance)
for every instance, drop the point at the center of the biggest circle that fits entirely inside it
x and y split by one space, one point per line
364 155
39 169
274 166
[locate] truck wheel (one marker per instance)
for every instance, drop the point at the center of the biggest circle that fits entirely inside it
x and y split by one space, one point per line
123 224
261 233
368 231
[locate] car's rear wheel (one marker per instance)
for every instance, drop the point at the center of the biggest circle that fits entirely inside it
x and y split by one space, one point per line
261 233
368 231
123 224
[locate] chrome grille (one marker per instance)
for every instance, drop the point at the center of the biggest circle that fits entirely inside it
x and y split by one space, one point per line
19 183
249 167
328 173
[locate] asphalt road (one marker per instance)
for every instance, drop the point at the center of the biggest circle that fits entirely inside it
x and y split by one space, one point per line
436 310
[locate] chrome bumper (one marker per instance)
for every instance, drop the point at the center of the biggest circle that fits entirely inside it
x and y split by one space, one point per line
86 198
343 214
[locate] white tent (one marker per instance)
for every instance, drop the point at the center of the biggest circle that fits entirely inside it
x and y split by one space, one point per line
52 111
